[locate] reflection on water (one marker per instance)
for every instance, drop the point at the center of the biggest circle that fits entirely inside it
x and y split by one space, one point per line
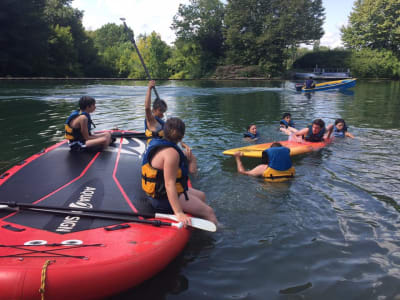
331 233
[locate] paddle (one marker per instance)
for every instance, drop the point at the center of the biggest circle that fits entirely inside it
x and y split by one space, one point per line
138 135
196 222
132 38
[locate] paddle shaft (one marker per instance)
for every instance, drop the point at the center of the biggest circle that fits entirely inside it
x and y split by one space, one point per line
138 135
96 215
80 209
132 38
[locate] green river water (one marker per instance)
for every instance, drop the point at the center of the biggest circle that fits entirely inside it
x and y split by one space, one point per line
331 233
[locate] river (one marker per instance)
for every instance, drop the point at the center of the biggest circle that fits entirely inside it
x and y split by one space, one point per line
331 233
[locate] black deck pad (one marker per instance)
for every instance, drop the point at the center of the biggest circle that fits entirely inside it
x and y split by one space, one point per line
109 180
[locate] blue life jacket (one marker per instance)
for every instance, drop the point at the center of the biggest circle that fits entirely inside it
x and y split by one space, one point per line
278 158
153 179
283 122
310 137
74 134
250 135
155 134
339 133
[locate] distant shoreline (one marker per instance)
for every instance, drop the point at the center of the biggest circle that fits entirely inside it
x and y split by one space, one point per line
131 79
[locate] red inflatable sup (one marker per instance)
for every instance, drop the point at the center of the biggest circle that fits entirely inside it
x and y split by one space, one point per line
76 236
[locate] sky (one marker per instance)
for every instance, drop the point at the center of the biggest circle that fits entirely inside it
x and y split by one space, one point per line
145 16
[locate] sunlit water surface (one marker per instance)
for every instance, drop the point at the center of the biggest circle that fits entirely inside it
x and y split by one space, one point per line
331 233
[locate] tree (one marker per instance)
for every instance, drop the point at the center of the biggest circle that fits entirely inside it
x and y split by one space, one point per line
265 32
200 23
23 37
374 24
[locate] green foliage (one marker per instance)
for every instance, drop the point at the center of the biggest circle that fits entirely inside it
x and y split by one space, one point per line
376 64
185 62
199 30
324 59
261 32
374 24
23 37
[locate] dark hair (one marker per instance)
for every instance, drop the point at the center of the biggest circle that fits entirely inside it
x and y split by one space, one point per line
319 122
174 130
248 127
286 115
160 104
340 121
264 155
85 102
276 144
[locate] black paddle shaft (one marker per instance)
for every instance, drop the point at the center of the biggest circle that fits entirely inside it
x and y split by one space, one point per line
93 215
69 209
132 38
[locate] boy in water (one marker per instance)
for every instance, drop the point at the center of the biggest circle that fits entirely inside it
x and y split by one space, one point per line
165 170
316 132
276 164
153 123
286 124
78 128
251 134
340 129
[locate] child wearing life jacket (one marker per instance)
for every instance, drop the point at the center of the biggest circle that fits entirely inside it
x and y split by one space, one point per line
315 132
78 128
154 123
251 134
340 129
276 164
165 175
287 124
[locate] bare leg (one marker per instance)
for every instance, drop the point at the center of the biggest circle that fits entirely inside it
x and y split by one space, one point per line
197 207
199 194
101 139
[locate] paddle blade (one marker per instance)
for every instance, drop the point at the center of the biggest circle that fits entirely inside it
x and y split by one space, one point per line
196 222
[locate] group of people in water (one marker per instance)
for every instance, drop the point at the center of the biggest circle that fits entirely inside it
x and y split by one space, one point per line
276 164
166 167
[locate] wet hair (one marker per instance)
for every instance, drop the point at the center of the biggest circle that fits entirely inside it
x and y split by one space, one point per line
264 155
248 127
276 144
337 121
85 102
286 115
160 104
174 130
319 122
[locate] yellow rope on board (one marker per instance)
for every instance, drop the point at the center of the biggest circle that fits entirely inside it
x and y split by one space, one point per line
43 278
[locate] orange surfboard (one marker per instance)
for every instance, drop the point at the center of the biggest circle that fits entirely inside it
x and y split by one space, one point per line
296 148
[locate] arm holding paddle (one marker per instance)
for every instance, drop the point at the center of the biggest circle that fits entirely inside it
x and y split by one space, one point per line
151 121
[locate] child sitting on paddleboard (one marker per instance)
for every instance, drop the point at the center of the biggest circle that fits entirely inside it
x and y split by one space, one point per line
276 164
78 128
340 129
287 124
251 134
315 132
165 175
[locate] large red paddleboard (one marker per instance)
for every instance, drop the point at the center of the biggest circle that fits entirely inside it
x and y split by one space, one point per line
76 257
296 148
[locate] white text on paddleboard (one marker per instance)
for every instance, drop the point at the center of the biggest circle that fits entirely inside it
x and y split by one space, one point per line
85 197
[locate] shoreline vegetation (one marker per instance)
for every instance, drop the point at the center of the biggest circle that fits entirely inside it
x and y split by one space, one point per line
215 40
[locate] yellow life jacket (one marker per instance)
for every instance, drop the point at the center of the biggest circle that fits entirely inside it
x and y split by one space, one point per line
273 175
153 179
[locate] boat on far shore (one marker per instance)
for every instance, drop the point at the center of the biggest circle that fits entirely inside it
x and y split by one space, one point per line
329 85
324 73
